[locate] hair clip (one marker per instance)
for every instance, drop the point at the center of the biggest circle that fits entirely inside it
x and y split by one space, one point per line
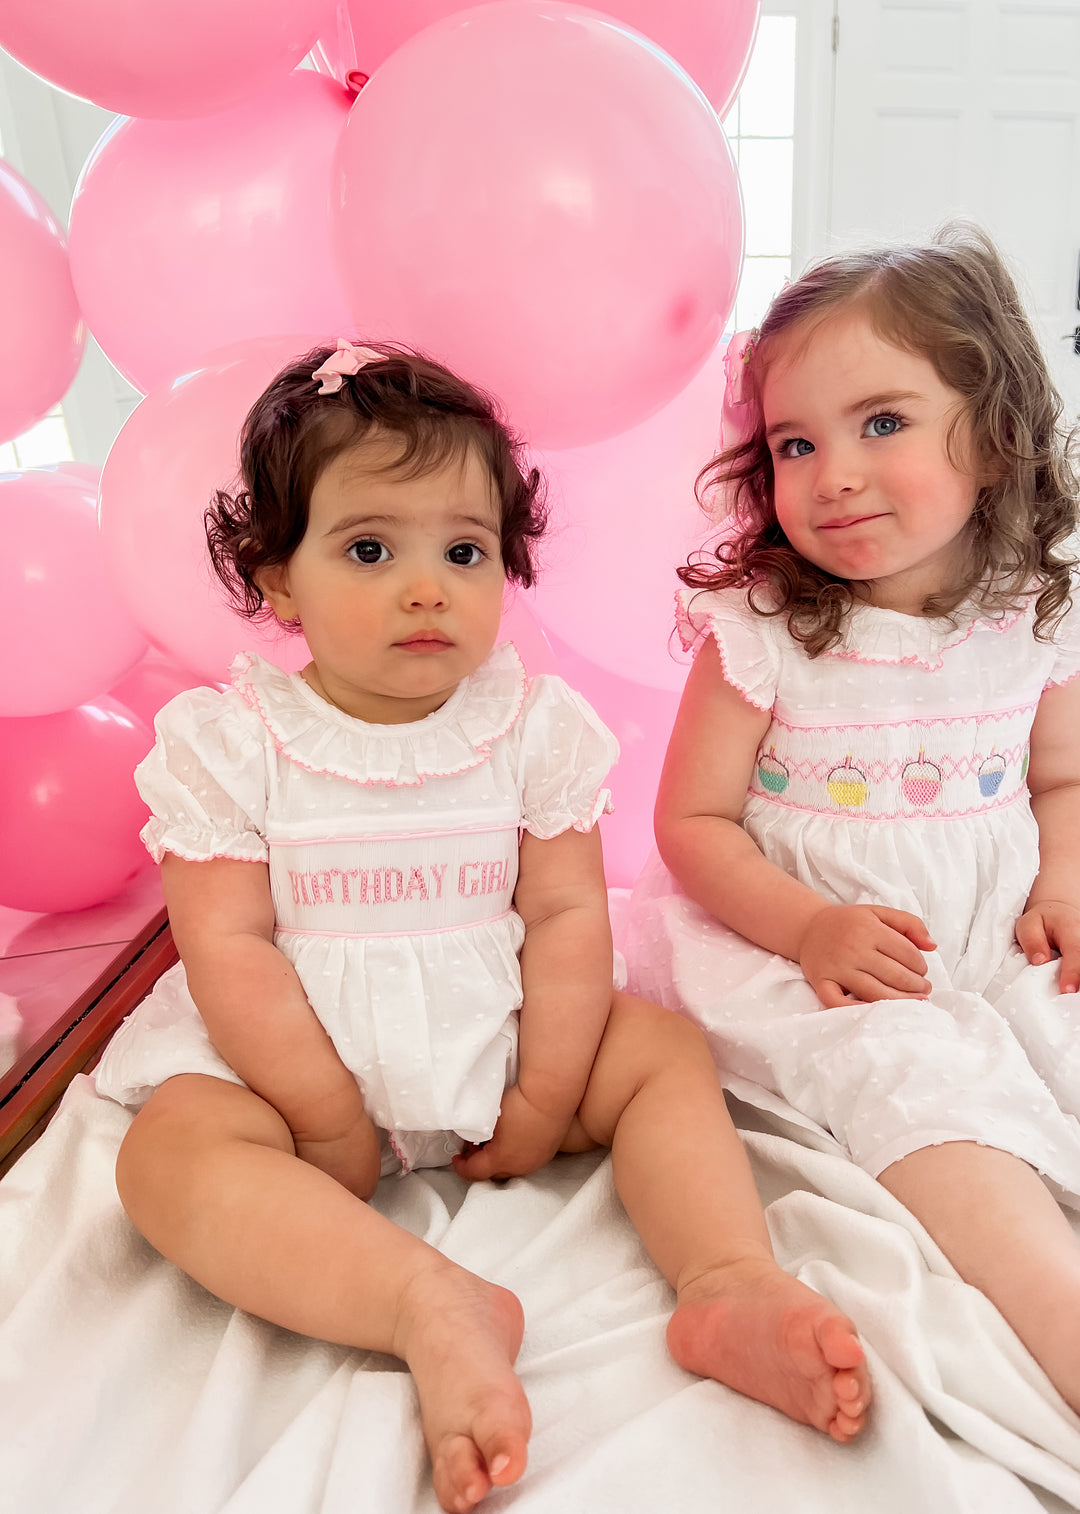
343 363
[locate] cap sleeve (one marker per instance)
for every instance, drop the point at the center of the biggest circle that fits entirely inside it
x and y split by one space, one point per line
205 781
744 639
1066 663
566 753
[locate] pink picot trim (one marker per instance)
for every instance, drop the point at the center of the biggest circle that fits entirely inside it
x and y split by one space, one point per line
602 805
242 664
689 635
395 1147
957 639
921 718
157 850
1059 683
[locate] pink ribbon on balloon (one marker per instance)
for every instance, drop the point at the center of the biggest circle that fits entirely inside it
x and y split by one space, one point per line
344 363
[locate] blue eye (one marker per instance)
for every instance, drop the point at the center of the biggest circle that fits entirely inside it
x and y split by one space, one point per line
883 425
465 554
795 446
368 551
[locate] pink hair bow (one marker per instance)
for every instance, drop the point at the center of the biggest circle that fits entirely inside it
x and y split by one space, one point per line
737 417
343 363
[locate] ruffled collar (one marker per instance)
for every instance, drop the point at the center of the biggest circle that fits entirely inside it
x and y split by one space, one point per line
323 739
874 635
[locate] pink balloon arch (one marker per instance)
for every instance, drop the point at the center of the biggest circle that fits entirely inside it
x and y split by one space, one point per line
224 224
578 260
168 58
537 194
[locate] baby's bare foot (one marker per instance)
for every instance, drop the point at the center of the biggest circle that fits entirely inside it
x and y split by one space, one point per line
460 1337
754 1328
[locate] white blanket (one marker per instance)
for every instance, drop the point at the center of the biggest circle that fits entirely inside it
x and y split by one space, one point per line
126 1389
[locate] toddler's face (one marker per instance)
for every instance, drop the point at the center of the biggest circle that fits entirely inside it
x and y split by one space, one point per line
397 583
864 485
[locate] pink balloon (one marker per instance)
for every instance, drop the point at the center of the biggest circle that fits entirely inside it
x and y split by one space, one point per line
189 235
547 203
41 331
175 448
163 58
70 814
151 684
641 718
75 635
624 515
711 39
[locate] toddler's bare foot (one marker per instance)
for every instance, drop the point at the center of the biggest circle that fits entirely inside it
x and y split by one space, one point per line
460 1337
751 1326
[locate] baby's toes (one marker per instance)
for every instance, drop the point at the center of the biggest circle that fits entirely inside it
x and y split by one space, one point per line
458 1473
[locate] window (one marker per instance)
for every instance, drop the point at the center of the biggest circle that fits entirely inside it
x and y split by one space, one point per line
760 128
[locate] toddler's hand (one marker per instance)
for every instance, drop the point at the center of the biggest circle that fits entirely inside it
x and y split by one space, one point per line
524 1139
350 1156
1047 926
852 954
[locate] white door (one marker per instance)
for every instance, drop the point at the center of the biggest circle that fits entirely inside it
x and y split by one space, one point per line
967 107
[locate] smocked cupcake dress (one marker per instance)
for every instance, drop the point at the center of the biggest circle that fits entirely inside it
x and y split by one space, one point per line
392 855
892 773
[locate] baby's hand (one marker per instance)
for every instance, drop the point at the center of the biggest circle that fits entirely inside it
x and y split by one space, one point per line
524 1139
1047 926
856 953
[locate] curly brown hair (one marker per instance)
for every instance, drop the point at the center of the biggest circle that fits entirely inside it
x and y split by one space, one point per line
954 303
292 433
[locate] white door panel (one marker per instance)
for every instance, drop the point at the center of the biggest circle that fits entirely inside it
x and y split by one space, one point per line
971 108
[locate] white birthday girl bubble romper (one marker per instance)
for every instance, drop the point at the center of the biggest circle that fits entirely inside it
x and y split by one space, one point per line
892 773
393 855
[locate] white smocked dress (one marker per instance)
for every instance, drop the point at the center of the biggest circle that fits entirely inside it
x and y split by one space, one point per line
392 853
892 773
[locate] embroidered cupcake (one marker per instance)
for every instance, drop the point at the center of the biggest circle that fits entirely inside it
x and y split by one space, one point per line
772 774
847 785
990 775
920 782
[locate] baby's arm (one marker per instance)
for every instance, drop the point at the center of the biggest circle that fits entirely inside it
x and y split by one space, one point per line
847 952
259 1018
566 987
1051 920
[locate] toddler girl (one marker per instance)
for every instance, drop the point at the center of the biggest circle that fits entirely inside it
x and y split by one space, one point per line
371 867
869 817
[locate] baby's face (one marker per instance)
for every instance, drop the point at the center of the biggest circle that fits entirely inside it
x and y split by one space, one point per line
397 583
865 485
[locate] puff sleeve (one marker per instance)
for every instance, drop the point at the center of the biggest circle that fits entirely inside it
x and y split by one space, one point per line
1066 663
205 780
748 650
565 755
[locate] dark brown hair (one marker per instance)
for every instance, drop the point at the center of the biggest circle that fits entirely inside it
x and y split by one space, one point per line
292 432
954 303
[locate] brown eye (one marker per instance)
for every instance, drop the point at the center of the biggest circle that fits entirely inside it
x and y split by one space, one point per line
466 554
368 551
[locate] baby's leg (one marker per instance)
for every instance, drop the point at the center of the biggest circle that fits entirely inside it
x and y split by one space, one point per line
1002 1230
209 1175
683 1175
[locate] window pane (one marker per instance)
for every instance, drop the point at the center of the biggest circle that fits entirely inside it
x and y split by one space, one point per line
761 279
767 98
765 169
45 443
